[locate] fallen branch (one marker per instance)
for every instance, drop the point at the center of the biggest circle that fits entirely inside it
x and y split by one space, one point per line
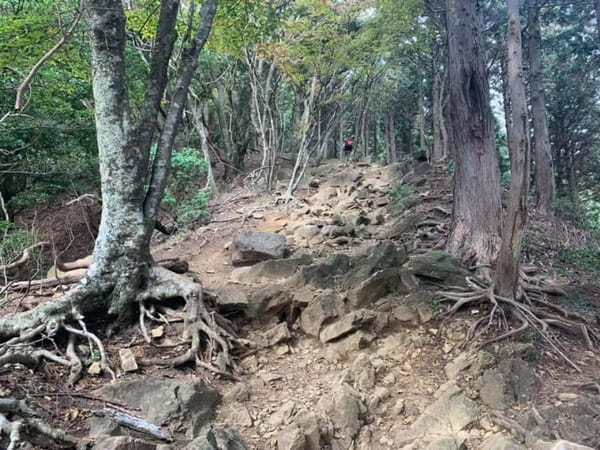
135 423
24 257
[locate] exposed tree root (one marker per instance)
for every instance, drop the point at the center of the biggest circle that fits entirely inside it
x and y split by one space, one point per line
533 312
17 418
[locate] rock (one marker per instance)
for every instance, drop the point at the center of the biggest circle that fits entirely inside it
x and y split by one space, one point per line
158 332
239 393
512 381
309 424
334 231
123 443
305 232
381 256
350 322
440 266
400 226
269 301
324 275
321 310
363 373
273 269
382 283
101 426
393 347
254 246
231 299
500 442
237 414
343 347
95 368
559 445
283 415
128 363
445 418
406 315
567 396
379 395
345 411
160 400
458 364
217 439
276 335
444 443
291 438
425 311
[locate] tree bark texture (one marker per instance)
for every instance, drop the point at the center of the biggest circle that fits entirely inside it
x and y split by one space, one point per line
507 266
544 171
477 209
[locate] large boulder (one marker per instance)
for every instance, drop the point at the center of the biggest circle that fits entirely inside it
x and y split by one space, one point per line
381 283
190 404
440 267
269 301
253 246
381 256
273 269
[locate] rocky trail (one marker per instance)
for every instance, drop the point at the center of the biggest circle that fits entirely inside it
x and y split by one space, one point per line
338 291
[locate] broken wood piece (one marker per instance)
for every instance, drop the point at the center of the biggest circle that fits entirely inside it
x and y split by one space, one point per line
135 423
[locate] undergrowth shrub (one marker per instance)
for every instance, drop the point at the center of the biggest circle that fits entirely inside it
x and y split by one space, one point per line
403 196
13 242
586 258
185 196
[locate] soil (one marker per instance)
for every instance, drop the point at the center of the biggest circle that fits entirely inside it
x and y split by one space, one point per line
303 370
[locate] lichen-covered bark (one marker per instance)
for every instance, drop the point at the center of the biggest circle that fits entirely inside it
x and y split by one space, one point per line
477 208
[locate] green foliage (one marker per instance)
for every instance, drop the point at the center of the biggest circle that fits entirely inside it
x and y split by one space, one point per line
12 242
403 196
184 195
586 258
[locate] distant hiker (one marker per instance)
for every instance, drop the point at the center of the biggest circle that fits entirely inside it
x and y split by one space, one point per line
348 144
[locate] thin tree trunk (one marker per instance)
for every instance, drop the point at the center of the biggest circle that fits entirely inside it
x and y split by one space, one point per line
421 116
438 150
392 130
544 172
597 7
340 143
477 216
509 258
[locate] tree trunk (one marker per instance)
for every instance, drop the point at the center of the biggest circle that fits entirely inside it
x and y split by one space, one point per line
421 117
392 130
507 266
477 209
597 7
544 172
438 150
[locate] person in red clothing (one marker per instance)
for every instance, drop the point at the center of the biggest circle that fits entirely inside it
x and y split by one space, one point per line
348 146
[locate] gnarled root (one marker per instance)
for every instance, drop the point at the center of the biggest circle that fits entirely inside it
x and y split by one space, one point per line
535 313
199 325
17 419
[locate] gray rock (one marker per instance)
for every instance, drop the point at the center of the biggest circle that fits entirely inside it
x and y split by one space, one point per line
363 373
269 301
333 231
321 310
342 348
445 418
345 411
382 283
559 445
384 255
326 274
254 246
309 424
160 400
237 414
217 439
513 381
230 299
439 266
102 426
352 321
458 364
276 335
291 438
123 443
500 442
405 314
128 363
273 269
444 443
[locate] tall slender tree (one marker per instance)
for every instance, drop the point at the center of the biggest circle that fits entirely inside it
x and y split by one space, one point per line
544 171
477 208
507 266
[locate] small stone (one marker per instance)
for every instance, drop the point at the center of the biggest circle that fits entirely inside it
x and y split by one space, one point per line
282 349
276 335
269 377
128 363
448 347
250 364
399 407
389 379
567 396
158 332
291 438
95 368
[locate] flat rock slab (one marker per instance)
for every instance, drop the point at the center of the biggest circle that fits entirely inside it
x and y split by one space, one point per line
189 403
273 269
350 322
253 246
217 439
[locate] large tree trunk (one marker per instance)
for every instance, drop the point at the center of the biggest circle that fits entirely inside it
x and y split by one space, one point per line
544 172
477 208
121 267
507 266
